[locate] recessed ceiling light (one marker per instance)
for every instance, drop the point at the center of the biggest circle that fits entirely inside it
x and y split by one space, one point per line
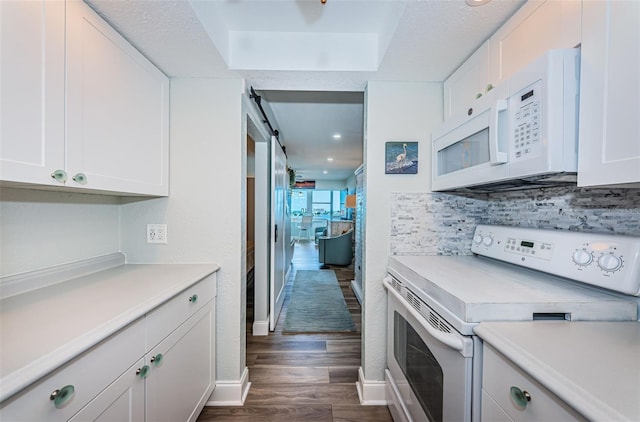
325 172
337 136
329 158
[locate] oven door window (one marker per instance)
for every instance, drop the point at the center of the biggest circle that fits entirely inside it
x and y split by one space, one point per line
420 367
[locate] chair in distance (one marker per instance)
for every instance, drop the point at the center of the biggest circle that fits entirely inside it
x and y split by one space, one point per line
305 226
336 250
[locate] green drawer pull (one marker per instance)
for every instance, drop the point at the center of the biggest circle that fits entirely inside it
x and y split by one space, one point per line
143 372
193 298
157 359
520 397
63 396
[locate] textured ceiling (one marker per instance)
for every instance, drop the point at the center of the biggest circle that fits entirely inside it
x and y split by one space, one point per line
417 40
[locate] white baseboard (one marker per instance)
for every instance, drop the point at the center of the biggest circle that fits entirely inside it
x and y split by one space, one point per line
261 328
371 393
356 291
231 393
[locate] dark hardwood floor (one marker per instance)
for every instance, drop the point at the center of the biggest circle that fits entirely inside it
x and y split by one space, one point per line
303 377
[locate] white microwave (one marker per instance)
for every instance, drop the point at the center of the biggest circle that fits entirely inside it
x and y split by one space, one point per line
523 133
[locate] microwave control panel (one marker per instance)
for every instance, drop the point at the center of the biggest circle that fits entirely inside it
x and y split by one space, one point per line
526 122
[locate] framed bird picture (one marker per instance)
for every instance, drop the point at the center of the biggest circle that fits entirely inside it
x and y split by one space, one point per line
401 157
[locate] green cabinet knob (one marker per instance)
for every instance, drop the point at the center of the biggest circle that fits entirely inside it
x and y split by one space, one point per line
63 396
193 298
489 87
520 397
59 176
80 178
143 372
478 95
157 359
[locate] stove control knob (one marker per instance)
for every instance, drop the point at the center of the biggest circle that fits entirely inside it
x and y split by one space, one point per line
487 240
610 262
582 257
477 239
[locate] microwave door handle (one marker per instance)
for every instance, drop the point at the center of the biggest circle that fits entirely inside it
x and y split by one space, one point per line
499 114
446 338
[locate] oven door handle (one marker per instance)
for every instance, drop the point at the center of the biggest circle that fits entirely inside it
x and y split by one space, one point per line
449 339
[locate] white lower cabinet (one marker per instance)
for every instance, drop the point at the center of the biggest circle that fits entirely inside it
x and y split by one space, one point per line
121 401
180 383
128 378
510 394
491 412
79 381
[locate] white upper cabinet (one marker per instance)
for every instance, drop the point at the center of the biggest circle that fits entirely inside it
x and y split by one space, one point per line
535 28
32 86
79 103
609 142
538 26
469 82
117 109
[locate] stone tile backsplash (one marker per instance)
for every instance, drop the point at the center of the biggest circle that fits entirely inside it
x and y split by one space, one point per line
442 224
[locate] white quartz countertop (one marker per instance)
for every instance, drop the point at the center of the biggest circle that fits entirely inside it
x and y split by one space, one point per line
592 366
43 329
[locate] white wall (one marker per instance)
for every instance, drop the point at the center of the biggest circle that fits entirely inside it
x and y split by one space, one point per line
39 229
205 212
394 111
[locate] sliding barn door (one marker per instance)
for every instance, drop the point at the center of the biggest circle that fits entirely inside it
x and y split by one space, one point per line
279 183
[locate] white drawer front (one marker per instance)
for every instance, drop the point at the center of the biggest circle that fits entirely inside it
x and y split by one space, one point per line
499 375
89 374
166 318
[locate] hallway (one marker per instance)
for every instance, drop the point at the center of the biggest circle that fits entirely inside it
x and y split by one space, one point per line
303 377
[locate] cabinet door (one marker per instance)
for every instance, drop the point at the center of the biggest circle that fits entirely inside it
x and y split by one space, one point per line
117 110
180 383
609 143
32 86
467 83
122 401
537 27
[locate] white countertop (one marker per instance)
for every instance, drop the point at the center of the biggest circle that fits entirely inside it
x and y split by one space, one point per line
43 329
592 366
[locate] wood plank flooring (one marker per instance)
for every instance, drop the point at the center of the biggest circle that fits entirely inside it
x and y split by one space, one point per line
303 377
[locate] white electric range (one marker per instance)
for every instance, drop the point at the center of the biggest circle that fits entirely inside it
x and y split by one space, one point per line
433 357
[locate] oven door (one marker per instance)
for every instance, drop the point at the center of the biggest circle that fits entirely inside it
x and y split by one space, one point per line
429 368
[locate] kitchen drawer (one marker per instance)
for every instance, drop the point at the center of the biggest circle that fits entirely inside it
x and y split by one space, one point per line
500 374
167 317
491 412
89 374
